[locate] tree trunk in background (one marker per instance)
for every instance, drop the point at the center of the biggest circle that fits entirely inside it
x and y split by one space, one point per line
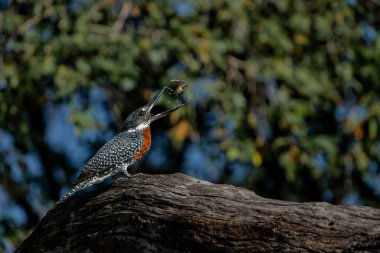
177 213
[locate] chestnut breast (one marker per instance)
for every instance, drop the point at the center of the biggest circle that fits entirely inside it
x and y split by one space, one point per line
146 145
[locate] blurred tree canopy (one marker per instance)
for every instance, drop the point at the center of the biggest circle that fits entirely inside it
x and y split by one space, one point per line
283 96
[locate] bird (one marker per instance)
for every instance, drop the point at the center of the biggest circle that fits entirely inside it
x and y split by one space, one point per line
129 145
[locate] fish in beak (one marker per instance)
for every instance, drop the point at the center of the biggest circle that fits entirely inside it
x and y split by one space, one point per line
153 102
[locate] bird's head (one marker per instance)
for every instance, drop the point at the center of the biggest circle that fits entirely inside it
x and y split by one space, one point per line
142 117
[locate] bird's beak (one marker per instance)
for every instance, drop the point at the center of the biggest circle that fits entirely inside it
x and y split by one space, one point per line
152 103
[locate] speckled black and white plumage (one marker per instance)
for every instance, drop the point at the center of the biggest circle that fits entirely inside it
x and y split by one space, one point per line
121 149
113 157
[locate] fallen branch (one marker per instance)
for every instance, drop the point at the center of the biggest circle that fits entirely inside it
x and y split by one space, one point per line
177 213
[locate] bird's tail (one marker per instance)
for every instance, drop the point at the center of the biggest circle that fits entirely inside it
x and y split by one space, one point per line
76 188
81 185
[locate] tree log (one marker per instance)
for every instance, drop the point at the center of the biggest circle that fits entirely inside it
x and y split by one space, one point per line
177 213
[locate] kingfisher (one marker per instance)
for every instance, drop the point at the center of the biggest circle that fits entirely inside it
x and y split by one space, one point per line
129 145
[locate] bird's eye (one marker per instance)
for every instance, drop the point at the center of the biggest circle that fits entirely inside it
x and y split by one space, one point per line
141 113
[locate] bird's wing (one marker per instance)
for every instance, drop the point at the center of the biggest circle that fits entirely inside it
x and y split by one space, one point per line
120 149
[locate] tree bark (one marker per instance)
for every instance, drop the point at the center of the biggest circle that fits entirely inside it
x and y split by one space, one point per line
177 213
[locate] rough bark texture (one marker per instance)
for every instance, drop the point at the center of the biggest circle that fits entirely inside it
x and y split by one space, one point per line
177 213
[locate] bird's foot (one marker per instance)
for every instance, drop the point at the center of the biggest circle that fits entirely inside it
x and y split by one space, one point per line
130 175
137 174
126 173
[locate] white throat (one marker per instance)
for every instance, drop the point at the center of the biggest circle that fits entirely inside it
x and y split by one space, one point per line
140 127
